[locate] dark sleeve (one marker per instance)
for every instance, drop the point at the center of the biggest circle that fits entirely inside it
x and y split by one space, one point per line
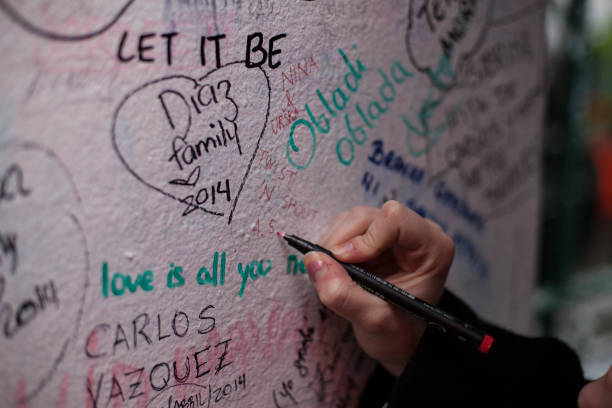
517 372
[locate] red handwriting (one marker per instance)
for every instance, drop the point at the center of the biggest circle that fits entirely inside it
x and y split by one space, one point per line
267 191
281 173
285 119
20 393
297 72
300 210
263 229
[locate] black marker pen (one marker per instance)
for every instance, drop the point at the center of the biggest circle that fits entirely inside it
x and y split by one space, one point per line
432 315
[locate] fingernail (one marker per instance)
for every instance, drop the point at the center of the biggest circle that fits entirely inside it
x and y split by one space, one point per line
343 248
315 269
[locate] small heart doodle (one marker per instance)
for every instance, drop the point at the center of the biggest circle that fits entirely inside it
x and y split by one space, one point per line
190 139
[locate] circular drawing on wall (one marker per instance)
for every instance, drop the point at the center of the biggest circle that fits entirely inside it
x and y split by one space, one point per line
65 21
44 265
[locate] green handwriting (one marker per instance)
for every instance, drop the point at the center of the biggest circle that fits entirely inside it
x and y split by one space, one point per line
120 282
177 277
253 270
293 264
358 120
204 277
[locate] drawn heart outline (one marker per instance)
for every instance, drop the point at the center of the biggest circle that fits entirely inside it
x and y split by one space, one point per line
196 83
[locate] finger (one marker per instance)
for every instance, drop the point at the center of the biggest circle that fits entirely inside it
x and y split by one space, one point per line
394 224
348 225
339 220
338 291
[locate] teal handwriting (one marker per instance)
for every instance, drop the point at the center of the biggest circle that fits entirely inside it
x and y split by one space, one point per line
120 282
205 277
421 139
333 105
293 264
175 277
253 270
427 135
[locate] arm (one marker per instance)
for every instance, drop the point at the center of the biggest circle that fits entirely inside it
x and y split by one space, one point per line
415 254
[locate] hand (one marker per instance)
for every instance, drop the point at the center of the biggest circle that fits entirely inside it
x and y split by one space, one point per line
398 245
597 394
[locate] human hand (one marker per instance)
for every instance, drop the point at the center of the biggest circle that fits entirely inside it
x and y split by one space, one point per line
597 394
398 245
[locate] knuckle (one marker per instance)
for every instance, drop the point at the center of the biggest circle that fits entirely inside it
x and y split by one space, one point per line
445 244
368 243
360 211
434 225
392 210
341 216
333 295
446 251
448 247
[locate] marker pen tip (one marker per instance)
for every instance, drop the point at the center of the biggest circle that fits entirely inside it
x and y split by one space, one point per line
281 234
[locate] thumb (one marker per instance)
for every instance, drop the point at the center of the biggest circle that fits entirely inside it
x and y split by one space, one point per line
337 290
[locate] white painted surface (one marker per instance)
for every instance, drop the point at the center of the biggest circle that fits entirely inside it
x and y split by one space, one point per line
86 156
